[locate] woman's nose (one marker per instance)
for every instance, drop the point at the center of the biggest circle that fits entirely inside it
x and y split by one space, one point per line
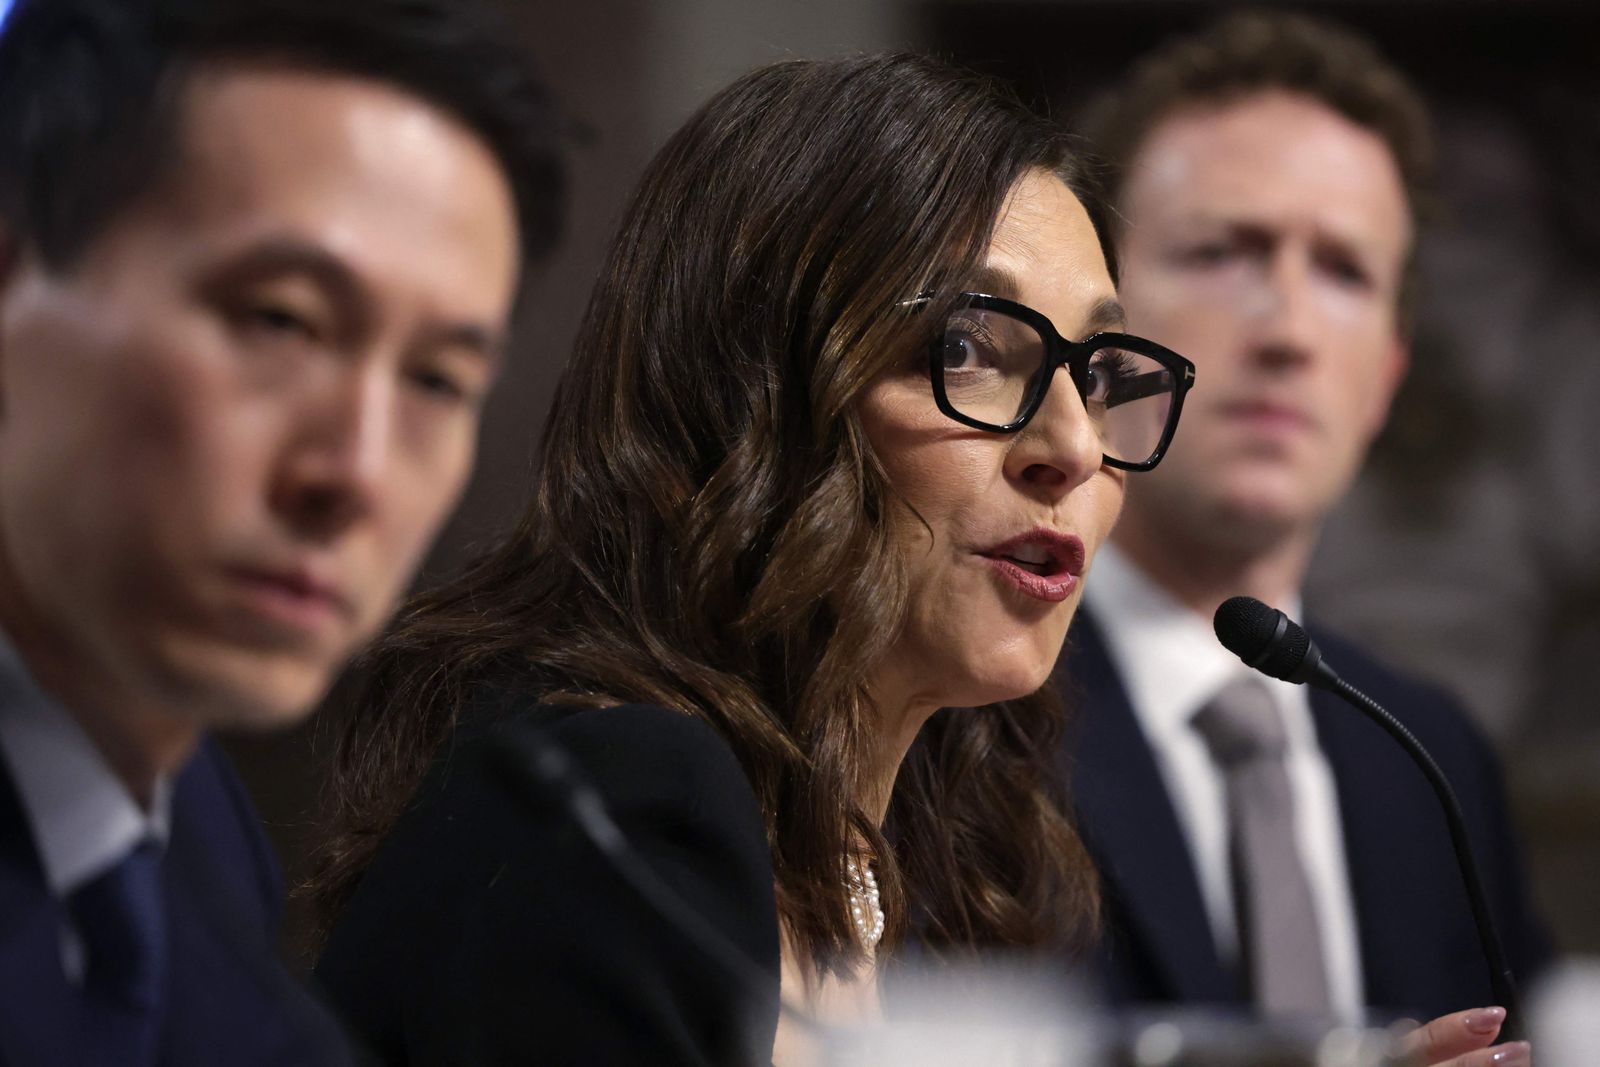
1060 448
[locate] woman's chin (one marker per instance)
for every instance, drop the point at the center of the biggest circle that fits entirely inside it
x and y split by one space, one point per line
988 662
1013 682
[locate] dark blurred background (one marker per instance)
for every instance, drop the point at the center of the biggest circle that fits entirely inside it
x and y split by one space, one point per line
1470 551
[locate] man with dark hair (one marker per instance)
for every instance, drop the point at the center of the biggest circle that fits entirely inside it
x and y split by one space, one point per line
258 259
1262 845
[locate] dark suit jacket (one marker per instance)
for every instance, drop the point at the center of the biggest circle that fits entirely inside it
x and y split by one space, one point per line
1419 948
230 1002
490 930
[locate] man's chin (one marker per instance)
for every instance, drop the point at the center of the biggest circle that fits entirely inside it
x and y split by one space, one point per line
1206 499
1270 496
248 692
252 715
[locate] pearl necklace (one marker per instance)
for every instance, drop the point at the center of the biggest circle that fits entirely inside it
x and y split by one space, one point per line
866 910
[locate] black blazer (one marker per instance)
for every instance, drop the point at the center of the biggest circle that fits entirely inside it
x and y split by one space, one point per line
489 930
230 1001
1419 948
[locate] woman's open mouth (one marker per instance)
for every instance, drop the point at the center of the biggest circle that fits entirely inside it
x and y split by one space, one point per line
1042 563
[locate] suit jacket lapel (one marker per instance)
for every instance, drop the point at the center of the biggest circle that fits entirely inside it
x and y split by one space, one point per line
1130 826
42 1020
239 1005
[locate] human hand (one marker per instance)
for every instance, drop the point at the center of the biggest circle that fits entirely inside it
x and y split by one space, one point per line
1464 1039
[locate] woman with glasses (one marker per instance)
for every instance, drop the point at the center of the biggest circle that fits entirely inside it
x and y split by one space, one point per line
850 412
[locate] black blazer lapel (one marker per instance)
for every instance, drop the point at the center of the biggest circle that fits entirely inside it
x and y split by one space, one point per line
1160 943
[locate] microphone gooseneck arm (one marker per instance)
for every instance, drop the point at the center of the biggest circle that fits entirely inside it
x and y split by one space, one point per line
541 770
1500 979
1269 641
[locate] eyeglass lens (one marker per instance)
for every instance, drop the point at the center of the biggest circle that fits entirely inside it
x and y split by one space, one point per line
993 368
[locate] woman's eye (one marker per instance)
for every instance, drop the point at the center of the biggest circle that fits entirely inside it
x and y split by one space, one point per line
964 350
1098 384
957 352
1108 371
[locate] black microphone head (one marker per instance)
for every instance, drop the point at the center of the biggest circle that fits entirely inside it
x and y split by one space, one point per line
1265 638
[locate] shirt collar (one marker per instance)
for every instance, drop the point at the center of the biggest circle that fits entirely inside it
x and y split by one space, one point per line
1166 654
84 820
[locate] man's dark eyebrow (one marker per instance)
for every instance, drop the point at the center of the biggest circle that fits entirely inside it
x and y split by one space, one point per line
472 338
279 256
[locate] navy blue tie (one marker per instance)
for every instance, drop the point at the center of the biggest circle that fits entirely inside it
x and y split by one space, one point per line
123 922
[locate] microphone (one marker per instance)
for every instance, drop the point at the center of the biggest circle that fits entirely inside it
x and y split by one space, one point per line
1270 642
542 772
1274 644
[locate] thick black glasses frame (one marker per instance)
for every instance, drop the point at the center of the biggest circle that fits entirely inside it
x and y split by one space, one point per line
1074 355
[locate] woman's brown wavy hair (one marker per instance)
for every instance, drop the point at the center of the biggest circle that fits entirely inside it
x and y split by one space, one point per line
709 528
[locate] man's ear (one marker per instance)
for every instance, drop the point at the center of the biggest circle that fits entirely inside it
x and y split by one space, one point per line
8 253
1396 362
10 261
10 257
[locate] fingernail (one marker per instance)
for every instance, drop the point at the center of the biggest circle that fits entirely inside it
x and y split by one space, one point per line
1485 1020
1516 1054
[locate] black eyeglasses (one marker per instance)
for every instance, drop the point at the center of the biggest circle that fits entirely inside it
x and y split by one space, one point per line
992 362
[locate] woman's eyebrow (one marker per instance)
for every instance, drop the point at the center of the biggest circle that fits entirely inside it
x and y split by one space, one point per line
995 281
1107 315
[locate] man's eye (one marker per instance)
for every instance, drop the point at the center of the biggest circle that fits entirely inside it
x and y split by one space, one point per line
441 386
1349 273
278 321
1208 253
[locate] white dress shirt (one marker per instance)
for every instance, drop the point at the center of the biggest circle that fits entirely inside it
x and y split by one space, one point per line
83 819
1171 665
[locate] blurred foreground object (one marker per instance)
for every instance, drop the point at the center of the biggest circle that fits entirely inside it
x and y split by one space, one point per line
1565 1012
1015 1016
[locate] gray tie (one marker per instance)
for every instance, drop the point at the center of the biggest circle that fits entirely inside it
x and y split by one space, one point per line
1281 940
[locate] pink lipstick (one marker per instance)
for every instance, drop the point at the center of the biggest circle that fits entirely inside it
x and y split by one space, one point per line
1043 563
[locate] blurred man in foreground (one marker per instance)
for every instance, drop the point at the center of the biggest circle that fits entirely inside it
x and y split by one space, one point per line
257 264
1264 845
